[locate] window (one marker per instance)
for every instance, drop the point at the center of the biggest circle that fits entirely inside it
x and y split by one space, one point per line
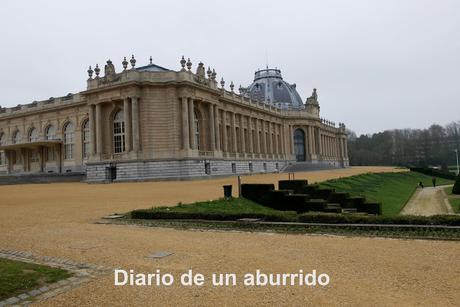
265 167
233 167
251 167
69 132
299 144
49 153
17 137
86 140
33 135
207 168
119 132
33 156
50 133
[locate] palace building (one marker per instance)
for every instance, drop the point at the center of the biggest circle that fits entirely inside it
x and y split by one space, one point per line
150 122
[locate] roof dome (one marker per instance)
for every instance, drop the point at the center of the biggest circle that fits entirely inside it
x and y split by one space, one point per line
269 87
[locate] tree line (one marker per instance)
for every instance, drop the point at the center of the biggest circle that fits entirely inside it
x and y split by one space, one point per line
433 146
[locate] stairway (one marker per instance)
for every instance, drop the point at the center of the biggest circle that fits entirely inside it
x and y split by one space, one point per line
41 178
308 166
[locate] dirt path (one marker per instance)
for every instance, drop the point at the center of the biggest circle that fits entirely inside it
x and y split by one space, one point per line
55 220
428 201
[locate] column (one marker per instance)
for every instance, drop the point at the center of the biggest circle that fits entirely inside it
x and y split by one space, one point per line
191 123
92 129
212 128
234 143
264 138
346 147
256 133
250 136
135 123
224 131
127 119
319 138
185 124
242 138
216 126
291 138
99 129
270 139
276 151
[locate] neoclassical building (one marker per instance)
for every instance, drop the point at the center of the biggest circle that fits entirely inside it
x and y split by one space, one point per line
150 122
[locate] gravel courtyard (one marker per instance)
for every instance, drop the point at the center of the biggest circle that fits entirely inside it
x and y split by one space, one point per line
57 220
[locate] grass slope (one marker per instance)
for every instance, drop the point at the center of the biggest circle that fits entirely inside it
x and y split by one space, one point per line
393 190
18 277
453 199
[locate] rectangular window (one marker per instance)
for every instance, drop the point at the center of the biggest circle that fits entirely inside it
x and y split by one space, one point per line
265 167
68 151
207 168
33 156
119 137
2 157
251 167
49 153
234 168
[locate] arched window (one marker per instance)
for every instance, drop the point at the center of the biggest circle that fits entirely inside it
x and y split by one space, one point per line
69 132
17 137
86 139
299 145
33 135
197 130
50 132
119 132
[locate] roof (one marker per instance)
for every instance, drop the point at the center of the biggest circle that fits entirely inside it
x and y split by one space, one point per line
152 67
269 87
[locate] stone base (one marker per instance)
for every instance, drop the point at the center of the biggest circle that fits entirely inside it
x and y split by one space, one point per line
140 170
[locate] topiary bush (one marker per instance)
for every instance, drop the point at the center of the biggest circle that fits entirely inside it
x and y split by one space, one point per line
259 193
298 186
456 188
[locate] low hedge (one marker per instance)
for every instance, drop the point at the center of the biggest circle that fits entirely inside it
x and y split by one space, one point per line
333 218
434 172
149 214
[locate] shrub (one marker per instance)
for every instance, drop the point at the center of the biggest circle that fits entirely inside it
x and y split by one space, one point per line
298 186
433 172
148 214
259 193
456 188
354 202
338 197
322 193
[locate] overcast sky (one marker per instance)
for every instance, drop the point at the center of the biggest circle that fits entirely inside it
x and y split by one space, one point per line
377 64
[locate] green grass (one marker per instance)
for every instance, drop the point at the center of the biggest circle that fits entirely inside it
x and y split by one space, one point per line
454 201
19 277
220 206
393 190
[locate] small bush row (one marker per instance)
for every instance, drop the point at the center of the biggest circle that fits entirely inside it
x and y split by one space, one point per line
434 172
310 217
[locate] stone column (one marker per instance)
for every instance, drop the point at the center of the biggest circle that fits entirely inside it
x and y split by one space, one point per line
216 126
185 124
234 144
135 123
257 140
264 138
224 131
242 138
99 129
250 136
319 139
127 120
291 137
212 128
191 122
92 129
346 147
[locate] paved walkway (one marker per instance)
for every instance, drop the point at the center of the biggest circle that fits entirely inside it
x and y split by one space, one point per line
428 201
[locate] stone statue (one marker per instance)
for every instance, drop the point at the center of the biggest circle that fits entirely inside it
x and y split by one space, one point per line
314 95
109 69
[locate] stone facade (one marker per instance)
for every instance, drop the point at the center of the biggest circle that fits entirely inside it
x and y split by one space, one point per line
151 122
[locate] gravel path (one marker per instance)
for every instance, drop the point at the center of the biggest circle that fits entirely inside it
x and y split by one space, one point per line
427 201
55 220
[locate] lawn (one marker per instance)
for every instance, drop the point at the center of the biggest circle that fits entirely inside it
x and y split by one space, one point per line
453 200
19 277
393 190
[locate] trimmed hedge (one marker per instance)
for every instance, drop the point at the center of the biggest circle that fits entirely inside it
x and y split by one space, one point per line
149 214
298 186
333 218
259 193
456 188
434 172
